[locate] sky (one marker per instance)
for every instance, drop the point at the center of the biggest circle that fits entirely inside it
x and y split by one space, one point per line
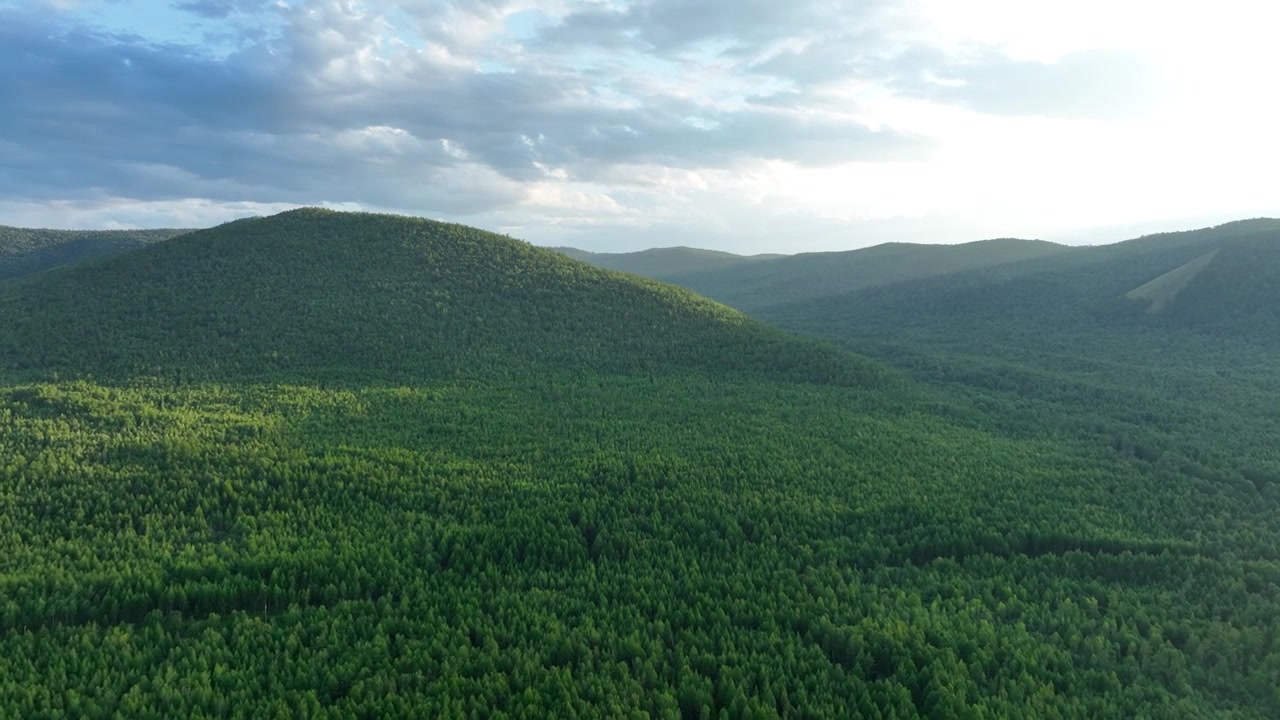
614 125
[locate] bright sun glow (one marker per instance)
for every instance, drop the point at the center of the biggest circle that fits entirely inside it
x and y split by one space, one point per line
565 120
1208 140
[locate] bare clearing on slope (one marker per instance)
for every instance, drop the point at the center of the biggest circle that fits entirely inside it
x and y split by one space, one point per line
1163 290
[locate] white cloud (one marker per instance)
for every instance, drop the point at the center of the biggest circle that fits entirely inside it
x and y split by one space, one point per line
113 213
726 120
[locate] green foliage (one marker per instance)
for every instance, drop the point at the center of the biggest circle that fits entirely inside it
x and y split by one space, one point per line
532 515
1081 291
24 251
1052 348
1162 291
606 548
1236 294
1049 350
754 284
348 297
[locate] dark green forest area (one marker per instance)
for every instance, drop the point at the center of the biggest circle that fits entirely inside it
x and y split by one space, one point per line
24 251
753 283
338 465
1053 346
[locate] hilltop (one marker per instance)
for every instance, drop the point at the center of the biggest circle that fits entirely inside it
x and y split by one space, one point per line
317 291
27 250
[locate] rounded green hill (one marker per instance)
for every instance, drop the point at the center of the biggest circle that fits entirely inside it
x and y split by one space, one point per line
353 294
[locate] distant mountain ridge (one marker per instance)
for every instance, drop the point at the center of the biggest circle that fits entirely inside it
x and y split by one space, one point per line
753 283
1087 288
769 283
663 263
29 250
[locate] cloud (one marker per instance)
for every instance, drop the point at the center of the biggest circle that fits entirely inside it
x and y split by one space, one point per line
546 115
1088 84
219 9
110 213
341 106
90 112
1095 83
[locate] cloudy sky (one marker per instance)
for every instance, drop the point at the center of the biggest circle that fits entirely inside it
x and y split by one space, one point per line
747 125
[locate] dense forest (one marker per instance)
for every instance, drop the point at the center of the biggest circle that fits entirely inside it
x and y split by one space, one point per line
764 281
350 465
24 251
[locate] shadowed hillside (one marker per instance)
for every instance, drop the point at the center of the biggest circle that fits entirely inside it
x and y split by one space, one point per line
664 263
1161 292
1236 294
320 291
752 284
1080 290
24 251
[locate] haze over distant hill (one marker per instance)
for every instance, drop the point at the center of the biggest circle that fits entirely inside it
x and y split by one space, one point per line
26 250
752 283
663 263
1226 286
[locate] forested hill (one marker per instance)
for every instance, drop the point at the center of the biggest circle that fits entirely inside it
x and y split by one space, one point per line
316 291
1233 290
26 250
1215 280
752 284
664 263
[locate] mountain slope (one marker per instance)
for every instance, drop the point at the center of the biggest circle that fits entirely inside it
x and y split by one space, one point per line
1162 291
664 263
1060 330
318 291
24 250
1236 294
778 281
1082 290
1052 347
540 489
